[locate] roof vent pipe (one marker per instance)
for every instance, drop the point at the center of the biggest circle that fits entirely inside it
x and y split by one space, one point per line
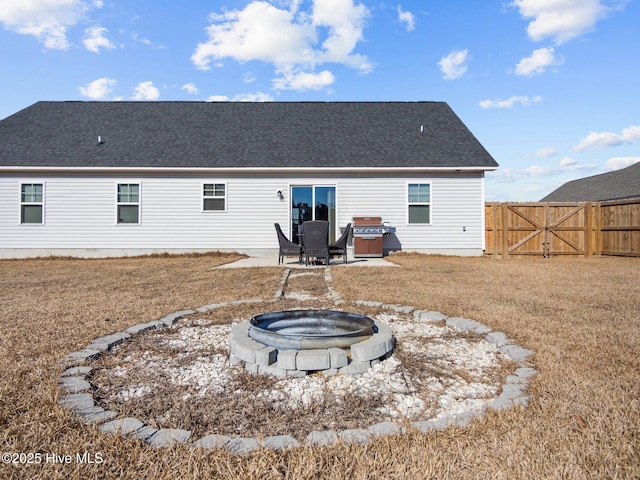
100 141
421 129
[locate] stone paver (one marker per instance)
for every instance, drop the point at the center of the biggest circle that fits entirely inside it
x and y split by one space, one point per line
313 360
74 371
374 347
287 359
272 370
242 445
385 428
245 349
322 438
81 356
497 338
141 327
467 325
338 358
107 342
123 426
74 384
211 306
212 441
99 417
516 352
168 436
355 368
356 435
266 356
144 432
280 442
429 316
76 400
172 318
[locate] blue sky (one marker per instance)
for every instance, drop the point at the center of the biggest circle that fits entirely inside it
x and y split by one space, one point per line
550 87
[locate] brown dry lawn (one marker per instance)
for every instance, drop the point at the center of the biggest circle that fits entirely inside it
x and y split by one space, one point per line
581 317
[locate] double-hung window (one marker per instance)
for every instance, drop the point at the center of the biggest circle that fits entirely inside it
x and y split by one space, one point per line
31 203
128 203
214 197
419 203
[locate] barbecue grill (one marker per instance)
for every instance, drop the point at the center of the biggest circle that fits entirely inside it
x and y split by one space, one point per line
367 236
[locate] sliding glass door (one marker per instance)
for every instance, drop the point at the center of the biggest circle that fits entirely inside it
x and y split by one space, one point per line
313 202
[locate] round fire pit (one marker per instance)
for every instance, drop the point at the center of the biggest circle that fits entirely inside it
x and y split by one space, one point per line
296 342
310 329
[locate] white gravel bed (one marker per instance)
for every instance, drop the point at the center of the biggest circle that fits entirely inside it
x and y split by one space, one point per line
456 375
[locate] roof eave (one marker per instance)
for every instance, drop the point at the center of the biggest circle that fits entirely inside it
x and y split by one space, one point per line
218 170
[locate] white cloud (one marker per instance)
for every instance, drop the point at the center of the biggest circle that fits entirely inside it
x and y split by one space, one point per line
631 134
290 40
509 102
562 20
545 152
253 97
564 166
259 32
407 18
453 65
538 62
145 41
304 81
345 22
243 97
47 20
98 89
146 91
190 88
616 163
95 39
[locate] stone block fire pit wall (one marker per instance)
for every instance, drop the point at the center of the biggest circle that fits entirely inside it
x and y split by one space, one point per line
263 359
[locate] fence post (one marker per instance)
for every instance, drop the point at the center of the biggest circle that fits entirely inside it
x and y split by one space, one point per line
588 207
505 231
495 230
598 228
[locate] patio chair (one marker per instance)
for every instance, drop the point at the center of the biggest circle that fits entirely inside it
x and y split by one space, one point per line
316 240
340 246
287 247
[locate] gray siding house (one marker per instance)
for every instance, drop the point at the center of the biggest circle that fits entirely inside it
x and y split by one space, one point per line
618 185
125 178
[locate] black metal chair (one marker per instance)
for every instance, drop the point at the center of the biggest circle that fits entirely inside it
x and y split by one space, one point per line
340 246
316 240
287 247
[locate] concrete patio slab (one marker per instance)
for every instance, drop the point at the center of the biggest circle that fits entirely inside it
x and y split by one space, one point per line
272 261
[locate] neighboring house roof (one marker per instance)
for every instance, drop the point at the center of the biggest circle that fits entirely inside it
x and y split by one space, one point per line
617 185
240 135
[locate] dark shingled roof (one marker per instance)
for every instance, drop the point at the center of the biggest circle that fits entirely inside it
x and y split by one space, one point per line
240 135
617 185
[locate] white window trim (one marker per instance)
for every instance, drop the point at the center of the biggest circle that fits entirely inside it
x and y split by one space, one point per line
313 186
202 197
117 203
21 203
430 202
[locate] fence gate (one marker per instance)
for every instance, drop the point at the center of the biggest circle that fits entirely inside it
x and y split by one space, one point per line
543 229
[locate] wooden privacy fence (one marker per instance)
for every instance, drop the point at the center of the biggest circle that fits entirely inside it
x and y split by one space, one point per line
547 229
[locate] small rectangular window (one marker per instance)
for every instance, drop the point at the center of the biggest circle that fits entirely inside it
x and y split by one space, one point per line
31 203
128 203
214 197
419 203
